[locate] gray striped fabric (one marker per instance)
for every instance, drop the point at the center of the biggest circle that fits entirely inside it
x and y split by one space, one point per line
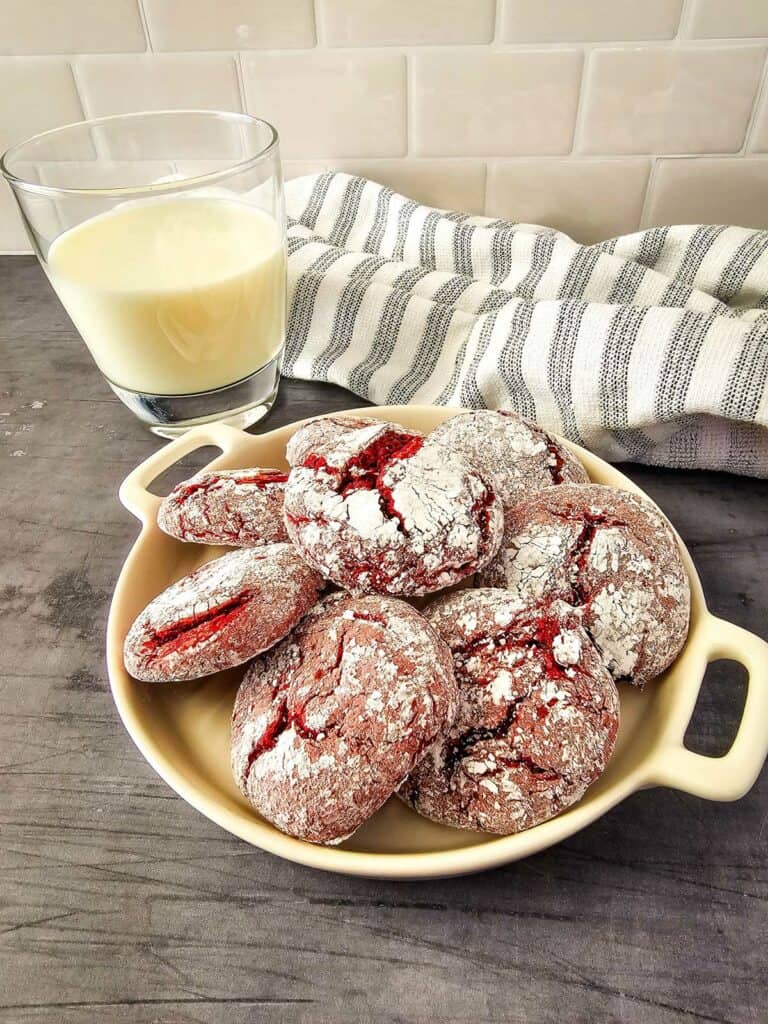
652 347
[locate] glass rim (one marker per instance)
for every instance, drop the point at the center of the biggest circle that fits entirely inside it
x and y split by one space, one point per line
164 186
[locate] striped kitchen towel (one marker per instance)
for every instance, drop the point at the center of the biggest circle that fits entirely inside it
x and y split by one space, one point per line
651 347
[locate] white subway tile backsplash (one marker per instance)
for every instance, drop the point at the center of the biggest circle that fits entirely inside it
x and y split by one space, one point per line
229 24
427 22
481 103
590 200
446 184
330 104
74 26
669 100
39 93
716 19
560 21
709 191
116 85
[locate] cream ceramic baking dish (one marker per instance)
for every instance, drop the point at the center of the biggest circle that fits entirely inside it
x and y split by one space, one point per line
183 728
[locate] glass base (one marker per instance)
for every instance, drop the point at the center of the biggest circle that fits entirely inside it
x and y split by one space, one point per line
238 405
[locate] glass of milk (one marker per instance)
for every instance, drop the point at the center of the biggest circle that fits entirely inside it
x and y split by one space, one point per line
163 235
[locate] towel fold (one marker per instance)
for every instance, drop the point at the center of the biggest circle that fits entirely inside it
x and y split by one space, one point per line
651 348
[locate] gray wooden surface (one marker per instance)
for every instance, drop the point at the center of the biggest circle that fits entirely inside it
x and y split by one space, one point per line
120 903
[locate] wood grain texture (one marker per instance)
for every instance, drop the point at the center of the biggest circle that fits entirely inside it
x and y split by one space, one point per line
120 903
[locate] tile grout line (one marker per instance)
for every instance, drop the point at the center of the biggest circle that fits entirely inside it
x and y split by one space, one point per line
757 106
145 26
524 158
497 23
79 89
449 49
319 26
532 157
241 81
410 100
99 143
495 42
578 118
649 186
679 39
686 17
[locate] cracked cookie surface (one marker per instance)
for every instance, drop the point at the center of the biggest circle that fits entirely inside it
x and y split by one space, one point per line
516 453
222 614
537 719
236 507
377 511
321 434
328 724
612 554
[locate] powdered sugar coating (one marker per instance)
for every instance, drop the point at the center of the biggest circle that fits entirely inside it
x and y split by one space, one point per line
239 507
328 724
516 453
537 720
321 435
376 510
222 614
612 554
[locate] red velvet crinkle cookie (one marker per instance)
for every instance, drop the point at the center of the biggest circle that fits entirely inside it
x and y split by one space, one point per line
328 724
239 507
517 454
612 554
221 614
376 510
537 720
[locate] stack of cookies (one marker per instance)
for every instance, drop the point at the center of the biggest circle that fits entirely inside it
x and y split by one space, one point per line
494 705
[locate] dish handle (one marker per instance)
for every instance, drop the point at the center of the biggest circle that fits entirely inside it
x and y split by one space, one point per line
134 491
731 776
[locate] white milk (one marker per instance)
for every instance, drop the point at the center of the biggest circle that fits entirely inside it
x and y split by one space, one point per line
174 296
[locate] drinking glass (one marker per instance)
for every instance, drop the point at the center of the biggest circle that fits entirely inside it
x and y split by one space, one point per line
163 235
